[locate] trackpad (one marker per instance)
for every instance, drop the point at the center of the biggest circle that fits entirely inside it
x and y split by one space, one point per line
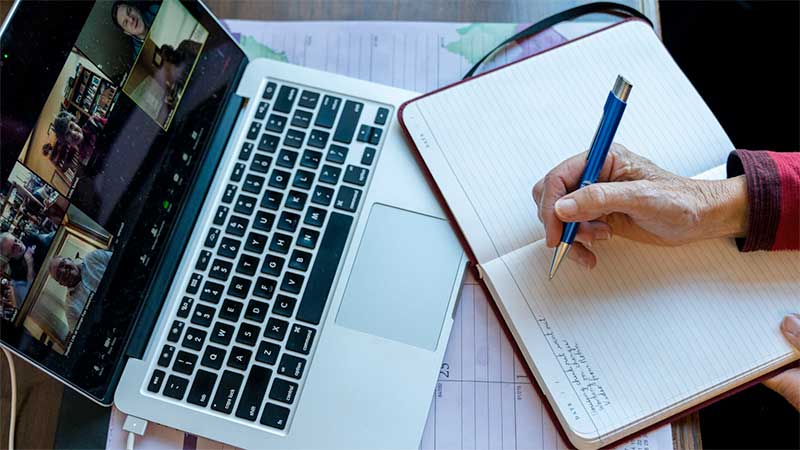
402 278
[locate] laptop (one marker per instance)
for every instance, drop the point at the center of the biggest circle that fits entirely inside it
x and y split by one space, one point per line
242 249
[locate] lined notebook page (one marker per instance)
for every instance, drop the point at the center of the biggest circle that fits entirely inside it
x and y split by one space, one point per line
650 328
502 132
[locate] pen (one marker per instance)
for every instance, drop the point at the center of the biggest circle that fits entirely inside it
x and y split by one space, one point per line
612 114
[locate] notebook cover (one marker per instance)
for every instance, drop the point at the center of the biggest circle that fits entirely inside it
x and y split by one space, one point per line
474 261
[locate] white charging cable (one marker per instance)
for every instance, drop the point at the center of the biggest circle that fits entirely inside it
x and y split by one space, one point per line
13 374
133 425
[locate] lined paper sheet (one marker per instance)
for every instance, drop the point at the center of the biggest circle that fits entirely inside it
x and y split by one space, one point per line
502 132
650 328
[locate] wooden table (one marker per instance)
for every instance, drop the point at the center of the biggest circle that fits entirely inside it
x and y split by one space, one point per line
39 396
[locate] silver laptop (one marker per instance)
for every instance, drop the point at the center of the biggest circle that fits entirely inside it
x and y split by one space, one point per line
244 250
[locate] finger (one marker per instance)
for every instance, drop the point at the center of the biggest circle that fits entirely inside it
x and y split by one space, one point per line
787 384
581 255
562 179
536 193
790 326
597 200
596 230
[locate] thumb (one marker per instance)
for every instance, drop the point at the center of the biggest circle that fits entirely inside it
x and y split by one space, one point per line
787 384
596 200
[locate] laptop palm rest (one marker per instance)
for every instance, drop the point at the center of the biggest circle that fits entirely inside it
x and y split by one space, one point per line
403 277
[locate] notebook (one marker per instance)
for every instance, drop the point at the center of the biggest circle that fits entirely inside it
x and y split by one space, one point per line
650 332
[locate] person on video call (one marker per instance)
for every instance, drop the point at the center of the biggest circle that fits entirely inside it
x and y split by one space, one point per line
83 139
81 278
25 256
759 205
175 67
134 19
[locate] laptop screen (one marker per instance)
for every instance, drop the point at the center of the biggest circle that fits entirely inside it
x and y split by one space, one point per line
107 108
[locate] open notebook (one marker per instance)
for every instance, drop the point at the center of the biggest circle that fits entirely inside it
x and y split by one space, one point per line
650 332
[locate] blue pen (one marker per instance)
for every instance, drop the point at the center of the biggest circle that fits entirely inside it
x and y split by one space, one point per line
612 114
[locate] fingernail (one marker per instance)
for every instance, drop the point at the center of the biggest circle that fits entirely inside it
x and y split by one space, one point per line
566 207
602 236
791 325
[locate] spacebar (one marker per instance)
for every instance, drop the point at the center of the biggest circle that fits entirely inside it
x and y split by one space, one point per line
321 278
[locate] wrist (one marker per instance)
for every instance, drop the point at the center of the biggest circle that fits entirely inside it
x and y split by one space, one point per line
726 210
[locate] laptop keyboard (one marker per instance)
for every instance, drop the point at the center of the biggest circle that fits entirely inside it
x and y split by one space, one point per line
242 338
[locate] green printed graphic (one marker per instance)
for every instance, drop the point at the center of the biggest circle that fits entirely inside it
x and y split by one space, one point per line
477 39
254 49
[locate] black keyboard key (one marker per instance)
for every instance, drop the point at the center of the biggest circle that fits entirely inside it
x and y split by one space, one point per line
166 355
307 238
229 194
185 307
288 221
203 260
292 282
220 270
239 358
261 163
255 128
287 158
375 136
194 338
315 216
253 393
303 179
300 260
348 122
269 91
265 287
291 366
239 287
311 159
175 331
285 100
222 333
272 265
237 225
211 292
156 380
264 221
279 179
271 200
194 283
327 111
329 174
213 357
275 416
221 215
261 111
276 329
268 352
324 269
348 199
300 339
256 242
318 138
368 156
212 237
185 363
228 247
246 151
203 315
269 143
231 310
337 154
381 116
280 243
301 119
203 384
284 305
356 175
322 196
248 265
294 138
308 99
176 387
276 123
253 184
283 391
296 200
247 334
363 133
227 392
238 171
256 311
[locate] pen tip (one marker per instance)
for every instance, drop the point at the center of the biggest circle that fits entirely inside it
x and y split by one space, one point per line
561 252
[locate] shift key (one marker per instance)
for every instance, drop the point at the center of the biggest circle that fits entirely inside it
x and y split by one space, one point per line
253 393
327 111
348 122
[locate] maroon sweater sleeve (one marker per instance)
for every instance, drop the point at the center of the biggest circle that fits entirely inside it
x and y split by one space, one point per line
773 190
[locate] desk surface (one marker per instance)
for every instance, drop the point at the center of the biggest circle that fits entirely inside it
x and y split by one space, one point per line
39 396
